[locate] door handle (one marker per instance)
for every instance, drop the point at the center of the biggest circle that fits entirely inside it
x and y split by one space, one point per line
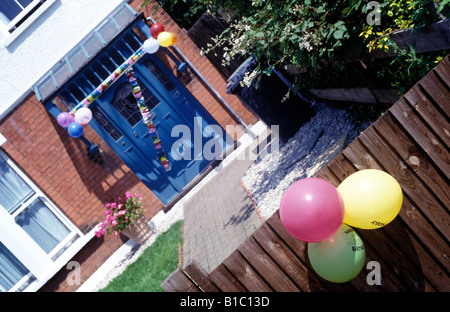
135 134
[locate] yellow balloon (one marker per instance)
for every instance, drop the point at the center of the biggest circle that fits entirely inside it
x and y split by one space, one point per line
166 39
174 38
372 198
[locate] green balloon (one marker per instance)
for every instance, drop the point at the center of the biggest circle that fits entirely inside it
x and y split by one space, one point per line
340 258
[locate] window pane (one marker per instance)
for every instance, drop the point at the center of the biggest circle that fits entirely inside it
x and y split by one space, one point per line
106 124
42 225
24 3
13 190
126 104
11 269
10 9
158 73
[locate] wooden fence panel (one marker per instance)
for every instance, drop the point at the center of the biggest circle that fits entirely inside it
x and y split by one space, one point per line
410 142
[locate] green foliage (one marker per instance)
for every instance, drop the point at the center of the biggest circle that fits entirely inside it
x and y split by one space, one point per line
396 15
313 35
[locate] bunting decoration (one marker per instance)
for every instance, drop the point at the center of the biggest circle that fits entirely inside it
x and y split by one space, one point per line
147 120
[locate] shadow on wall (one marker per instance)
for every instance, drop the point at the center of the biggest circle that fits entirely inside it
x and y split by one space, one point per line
105 180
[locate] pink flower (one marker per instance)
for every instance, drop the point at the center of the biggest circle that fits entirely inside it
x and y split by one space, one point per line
114 223
113 205
122 212
128 195
107 212
120 206
100 232
107 206
109 219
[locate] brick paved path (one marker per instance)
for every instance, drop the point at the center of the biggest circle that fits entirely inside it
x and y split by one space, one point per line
219 217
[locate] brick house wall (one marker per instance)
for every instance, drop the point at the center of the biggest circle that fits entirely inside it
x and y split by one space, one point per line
60 167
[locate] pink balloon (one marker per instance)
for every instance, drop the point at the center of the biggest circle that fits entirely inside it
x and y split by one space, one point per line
65 119
312 210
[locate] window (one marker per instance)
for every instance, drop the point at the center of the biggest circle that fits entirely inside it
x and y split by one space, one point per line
11 269
14 12
33 232
17 15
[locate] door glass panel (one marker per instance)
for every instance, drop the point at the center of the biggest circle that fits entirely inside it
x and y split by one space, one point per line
126 104
38 221
14 191
159 74
106 124
11 269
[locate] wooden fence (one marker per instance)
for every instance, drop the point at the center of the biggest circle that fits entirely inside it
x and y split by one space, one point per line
411 142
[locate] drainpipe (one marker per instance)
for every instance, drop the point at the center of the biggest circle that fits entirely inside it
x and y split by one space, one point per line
211 88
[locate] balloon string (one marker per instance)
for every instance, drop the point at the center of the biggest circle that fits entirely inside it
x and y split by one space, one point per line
147 120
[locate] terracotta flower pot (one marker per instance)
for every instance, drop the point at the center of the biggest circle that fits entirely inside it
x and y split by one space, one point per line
140 231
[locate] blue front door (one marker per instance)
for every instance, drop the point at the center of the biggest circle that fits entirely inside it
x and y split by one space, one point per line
118 121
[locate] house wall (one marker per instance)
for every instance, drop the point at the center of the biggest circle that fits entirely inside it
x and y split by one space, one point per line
44 43
57 163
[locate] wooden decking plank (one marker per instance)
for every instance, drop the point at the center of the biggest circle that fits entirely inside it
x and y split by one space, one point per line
430 114
391 280
422 135
412 217
179 282
415 253
394 135
245 274
327 175
299 247
288 262
224 280
408 181
435 90
266 267
196 273
443 71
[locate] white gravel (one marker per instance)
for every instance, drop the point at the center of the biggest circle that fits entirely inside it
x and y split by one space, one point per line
271 175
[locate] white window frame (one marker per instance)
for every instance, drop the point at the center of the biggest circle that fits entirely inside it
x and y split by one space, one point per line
40 264
10 37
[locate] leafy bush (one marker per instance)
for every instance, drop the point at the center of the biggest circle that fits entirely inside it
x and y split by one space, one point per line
314 35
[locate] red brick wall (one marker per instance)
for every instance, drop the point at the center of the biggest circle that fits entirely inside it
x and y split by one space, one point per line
79 187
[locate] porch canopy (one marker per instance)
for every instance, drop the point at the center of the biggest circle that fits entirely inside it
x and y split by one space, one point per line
91 61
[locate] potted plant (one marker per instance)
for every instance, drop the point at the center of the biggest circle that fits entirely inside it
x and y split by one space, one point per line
125 216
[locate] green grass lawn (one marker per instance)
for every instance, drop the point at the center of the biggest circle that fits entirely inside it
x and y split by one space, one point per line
155 264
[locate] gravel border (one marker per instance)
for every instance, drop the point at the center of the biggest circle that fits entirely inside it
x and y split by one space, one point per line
315 144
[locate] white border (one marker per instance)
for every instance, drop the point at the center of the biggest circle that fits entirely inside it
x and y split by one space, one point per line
2 139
